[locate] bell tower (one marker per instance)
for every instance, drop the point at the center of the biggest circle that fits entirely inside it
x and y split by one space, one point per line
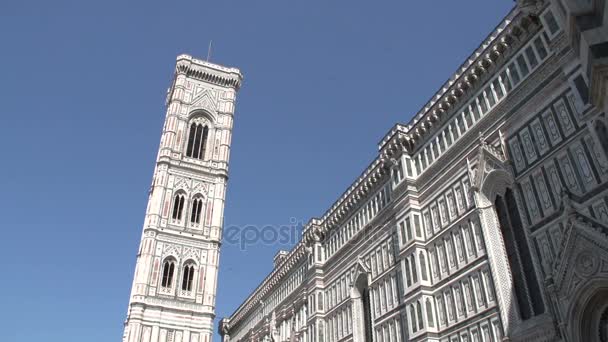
174 286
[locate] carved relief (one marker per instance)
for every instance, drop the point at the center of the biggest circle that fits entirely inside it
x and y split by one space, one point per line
200 188
514 146
468 193
575 103
543 192
451 205
539 136
583 165
427 223
191 253
442 211
587 264
206 99
171 250
568 172
200 119
181 183
528 145
554 181
598 156
546 255
530 198
600 210
434 215
554 134
564 118
459 199
459 302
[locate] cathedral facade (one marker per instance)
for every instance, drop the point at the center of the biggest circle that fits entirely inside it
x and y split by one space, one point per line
174 286
483 219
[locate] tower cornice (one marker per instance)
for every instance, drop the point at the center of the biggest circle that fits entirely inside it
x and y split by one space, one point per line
208 72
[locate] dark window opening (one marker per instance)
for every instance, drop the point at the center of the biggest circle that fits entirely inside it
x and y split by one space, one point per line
188 278
423 266
520 259
367 315
197 206
531 57
524 250
417 225
419 314
581 87
523 66
514 74
540 48
197 141
429 313
178 206
551 22
414 273
413 318
513 257
168 270
408 275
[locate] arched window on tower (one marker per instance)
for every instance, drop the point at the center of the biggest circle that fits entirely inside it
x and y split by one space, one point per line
188 277
197 210
168 270
178 207
197 141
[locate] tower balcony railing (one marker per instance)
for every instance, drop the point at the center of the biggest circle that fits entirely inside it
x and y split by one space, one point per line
165 290
186 293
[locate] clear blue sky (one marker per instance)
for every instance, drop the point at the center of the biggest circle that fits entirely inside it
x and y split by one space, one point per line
82 89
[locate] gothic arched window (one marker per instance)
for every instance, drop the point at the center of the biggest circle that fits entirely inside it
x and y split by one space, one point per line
188 277
197 208
419 315
168 270
197 141
413 318
408 274
423 266
414 273
178 206
429 313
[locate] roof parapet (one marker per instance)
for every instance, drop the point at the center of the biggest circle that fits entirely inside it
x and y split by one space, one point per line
209 72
